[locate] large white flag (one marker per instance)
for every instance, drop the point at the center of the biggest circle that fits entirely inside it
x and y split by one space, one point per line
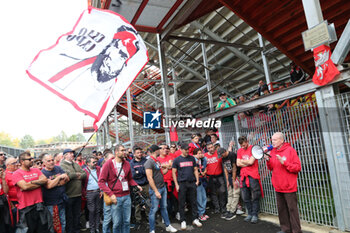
92 66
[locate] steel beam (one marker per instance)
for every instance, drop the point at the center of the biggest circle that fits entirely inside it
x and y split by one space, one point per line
207 77
165 86
195 73
131 128
237 52
116 125
223 43
181 15
265 62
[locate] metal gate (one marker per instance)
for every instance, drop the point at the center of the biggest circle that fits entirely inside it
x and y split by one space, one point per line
301 127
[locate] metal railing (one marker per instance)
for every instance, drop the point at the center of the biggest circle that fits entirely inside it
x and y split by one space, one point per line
10 151
301 127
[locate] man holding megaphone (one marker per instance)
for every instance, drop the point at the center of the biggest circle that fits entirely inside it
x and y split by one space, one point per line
285 165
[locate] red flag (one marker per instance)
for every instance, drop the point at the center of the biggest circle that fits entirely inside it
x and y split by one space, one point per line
92 66
173 134
325 69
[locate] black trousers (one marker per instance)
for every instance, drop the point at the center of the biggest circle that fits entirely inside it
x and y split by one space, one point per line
34 222
288 213
73 209
189 190
94 205
251 195
217 188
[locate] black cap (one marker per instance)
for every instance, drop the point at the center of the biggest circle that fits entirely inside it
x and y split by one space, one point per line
222 94
220 151
67 151
184 146
154 148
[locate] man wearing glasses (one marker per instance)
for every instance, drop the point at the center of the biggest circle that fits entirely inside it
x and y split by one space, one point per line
117 174
32 213
54 192
11 167
93 193
2 160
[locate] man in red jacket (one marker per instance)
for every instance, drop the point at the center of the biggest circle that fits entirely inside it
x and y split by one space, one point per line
285 165
118 188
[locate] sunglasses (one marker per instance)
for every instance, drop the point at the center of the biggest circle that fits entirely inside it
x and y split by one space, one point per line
2 154
39 163
30 159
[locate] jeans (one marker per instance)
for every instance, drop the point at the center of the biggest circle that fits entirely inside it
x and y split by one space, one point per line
73 209
62 215
251 195
201 200
121 213
107 218
154 207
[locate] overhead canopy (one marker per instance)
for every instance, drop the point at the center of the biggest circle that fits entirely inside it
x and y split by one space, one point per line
280 22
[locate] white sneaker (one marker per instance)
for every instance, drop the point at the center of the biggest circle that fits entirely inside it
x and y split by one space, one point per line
170 228
183 225
177 216
239 212
197 223
152 232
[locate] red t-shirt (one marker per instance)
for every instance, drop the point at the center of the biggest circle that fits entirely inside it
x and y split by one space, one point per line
252 170
167 176
177 154
1 189
30 197
12 186
214 164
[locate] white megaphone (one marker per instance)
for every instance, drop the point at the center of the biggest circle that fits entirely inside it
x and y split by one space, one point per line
258 152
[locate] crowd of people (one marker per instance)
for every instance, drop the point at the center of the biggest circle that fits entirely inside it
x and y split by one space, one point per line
121 189
297 75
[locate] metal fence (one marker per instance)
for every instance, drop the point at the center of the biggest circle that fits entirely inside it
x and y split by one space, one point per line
301 127
11 151
339 127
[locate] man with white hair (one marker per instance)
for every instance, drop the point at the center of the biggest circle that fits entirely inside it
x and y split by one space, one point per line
285 165
54 192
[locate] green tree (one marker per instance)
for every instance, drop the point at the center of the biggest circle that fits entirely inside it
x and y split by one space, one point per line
61 137
79 137
5 139
27 142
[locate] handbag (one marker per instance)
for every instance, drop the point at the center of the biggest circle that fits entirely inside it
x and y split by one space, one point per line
107 199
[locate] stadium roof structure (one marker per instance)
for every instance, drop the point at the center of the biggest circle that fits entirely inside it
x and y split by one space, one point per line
229 30
234 36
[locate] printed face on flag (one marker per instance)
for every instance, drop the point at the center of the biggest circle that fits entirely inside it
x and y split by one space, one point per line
92 66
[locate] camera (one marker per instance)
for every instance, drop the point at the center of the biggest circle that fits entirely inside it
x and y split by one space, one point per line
139 199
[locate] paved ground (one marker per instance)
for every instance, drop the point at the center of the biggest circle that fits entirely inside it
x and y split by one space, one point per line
217 225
